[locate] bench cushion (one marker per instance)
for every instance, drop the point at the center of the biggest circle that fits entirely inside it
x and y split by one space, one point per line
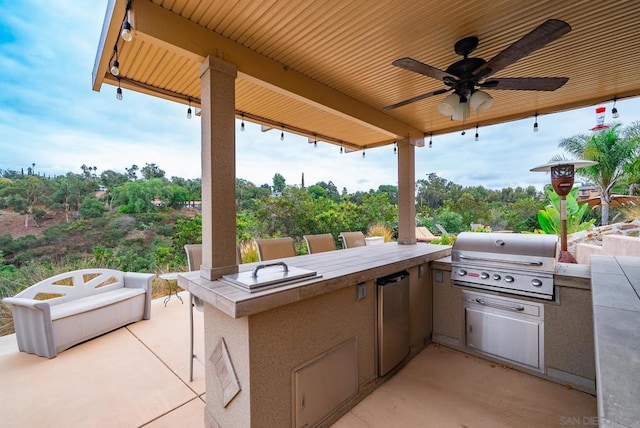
92 302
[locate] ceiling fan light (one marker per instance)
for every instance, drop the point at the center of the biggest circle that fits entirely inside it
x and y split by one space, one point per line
449 104
461 112
481 101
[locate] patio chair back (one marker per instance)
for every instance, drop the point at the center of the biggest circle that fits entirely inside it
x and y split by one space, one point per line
194 256
320 243
352 239
277 248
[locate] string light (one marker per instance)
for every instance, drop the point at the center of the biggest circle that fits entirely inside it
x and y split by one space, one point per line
431 140
614 110
282 134
126 26
189 110
363 149
395 147
535 124
315 142
242 122
119 91
477 136
341 149
115 65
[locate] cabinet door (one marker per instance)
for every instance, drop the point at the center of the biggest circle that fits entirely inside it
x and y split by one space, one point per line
325 383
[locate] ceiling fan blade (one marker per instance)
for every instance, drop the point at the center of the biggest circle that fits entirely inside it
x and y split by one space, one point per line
540 36
414 99
418 67
526 83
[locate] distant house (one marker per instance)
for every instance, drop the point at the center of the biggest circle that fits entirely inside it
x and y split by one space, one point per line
587 192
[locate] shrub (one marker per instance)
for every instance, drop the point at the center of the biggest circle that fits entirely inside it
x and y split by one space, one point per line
248 252
92 208
381 230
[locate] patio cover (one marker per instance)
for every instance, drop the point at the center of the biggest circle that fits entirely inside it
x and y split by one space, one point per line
323 69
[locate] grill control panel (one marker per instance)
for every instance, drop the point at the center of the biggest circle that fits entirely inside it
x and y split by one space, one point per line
522 283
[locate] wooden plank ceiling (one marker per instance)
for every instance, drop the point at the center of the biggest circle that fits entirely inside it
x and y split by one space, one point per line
323 68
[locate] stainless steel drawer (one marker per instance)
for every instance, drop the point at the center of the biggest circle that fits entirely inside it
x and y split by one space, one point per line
506 329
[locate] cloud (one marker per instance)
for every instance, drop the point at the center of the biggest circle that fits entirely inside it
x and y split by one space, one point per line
49 115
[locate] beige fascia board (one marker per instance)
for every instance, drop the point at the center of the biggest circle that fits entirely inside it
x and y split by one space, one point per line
177 34
108 36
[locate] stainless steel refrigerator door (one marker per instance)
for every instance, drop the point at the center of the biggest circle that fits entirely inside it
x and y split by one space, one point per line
393 324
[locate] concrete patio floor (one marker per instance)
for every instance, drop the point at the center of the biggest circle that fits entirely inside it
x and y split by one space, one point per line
139 376
134 376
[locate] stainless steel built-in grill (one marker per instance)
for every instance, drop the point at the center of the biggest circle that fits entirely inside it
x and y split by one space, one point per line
521 264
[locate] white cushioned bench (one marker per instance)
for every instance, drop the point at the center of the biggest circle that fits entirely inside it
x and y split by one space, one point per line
66 309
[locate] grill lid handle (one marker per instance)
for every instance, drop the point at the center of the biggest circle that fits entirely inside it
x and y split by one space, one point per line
512 262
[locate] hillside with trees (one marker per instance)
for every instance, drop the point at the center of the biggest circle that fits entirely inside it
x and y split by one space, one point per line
139 220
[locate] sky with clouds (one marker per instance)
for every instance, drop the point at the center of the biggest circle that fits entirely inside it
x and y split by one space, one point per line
50 116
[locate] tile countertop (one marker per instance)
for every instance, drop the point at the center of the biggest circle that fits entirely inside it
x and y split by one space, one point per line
338 269
615 285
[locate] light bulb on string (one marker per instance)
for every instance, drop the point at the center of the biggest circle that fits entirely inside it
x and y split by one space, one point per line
126 31
431 140
115 65
315 142
189 110
119 92
282 134
535 124
395 147
341 149
115 68
614 110
242 122
363 152
477 136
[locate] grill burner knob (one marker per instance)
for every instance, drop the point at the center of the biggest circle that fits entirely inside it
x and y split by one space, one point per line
484 275
496 277
462 272
508 279
536 283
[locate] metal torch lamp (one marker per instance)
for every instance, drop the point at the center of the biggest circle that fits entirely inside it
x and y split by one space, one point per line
562 175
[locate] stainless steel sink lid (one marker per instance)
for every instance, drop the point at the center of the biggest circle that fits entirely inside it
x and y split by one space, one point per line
268 276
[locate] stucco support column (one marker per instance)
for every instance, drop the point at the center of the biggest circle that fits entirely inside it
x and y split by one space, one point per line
218 157
406 192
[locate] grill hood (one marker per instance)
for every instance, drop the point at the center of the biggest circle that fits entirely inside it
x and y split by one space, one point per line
509 250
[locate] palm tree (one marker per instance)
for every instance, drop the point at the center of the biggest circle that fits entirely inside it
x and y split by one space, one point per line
615 149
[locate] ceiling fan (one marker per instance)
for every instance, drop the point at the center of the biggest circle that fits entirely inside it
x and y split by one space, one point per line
468 76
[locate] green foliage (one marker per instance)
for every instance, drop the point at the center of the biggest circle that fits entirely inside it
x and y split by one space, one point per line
616 150
445 240
246 226
451 221
279 183
483 228
91 208
37 215
549 217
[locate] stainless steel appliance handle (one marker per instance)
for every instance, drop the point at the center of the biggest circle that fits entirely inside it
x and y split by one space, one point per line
505 307
255 271
513 262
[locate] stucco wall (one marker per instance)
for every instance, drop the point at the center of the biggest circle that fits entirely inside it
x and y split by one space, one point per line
287 337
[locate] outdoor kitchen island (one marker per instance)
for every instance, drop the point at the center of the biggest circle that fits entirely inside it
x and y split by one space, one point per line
308 351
